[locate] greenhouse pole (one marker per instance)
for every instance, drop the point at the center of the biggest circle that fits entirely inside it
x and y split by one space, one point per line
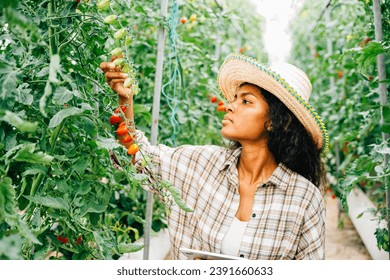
382 92
155 116
329 48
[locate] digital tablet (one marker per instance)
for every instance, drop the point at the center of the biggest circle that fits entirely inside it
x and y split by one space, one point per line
193 254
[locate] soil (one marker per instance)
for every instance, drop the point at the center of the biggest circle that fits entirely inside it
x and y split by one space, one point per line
342 242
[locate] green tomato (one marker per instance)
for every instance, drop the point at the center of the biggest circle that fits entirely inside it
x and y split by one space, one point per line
135 88
120 34
128 40
118 61
128 82
126 68
103 5
116 51
109 19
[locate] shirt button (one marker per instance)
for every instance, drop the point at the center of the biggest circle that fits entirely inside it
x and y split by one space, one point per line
253 215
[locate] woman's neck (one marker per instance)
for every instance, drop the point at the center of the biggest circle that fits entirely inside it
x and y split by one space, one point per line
256 164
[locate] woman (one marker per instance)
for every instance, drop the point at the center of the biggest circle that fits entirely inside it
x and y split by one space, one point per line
260 199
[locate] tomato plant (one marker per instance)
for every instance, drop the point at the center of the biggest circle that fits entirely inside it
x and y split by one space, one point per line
340 57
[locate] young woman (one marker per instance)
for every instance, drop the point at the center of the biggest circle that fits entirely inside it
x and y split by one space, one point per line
262 198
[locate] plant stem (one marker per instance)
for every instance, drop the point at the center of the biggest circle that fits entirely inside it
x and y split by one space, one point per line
52 31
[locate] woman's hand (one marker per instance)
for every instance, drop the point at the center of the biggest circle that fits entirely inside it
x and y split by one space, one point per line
115 78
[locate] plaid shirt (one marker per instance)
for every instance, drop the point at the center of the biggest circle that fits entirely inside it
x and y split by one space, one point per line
288 215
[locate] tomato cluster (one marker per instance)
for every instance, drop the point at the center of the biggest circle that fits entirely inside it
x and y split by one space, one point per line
122 130
220 105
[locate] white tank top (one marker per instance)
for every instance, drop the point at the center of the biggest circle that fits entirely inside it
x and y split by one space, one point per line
232 240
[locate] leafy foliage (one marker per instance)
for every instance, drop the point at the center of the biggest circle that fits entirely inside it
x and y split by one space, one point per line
61 196
340 58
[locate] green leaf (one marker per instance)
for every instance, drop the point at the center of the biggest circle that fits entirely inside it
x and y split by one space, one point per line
26 232
7 198
63 114
24 95
27 154
99 241
386 128
386 113
54 67
176 195
11 246
8 84
93 208
62 95
48 201
140 9
16 121
107 143
129 248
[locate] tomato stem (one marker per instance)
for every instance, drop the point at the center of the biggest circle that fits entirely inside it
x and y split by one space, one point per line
52 37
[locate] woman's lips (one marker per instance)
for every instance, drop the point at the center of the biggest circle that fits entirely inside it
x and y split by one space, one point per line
226 120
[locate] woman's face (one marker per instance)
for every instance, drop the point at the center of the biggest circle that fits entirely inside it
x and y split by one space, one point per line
246 116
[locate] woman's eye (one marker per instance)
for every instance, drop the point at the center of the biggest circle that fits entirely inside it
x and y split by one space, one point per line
245 101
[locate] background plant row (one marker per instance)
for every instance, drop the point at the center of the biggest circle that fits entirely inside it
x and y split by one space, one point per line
340 55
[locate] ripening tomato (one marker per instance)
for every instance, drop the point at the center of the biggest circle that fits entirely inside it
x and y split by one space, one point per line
122 130
183 20
114 119
193 17
221 108
340 74
220 103
214 99
127 138
133 149
123 108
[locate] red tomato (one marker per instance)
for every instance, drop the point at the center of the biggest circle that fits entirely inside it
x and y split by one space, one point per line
221 103
127 138
122 130
183 20
123 108
62 239
214 99
114 119
79 240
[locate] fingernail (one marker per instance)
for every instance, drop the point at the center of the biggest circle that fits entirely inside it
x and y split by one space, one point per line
124 75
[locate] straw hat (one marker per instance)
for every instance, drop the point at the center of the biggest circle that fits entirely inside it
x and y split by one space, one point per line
285 81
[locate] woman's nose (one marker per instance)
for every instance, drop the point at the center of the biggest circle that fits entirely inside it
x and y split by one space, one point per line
230 107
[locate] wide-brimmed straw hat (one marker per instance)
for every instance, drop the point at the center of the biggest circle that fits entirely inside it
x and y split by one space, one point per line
287 82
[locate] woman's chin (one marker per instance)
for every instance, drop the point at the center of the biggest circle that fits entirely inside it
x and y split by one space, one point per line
225 134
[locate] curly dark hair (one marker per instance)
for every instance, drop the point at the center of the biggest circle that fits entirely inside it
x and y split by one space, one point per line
290 143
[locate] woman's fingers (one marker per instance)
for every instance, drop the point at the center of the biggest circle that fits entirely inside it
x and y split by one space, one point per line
121 90
115 75
107 66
